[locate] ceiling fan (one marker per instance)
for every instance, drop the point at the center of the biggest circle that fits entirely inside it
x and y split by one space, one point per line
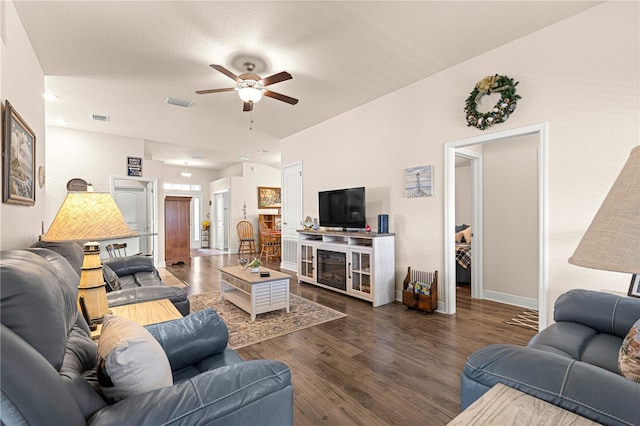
251 86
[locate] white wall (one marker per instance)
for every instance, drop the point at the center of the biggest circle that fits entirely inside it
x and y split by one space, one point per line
22 84
243 189
510 219
579 75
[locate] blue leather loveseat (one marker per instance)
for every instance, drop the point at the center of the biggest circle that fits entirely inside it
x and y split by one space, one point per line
49 369
573 363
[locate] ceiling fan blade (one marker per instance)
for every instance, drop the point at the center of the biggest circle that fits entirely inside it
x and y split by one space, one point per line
204 92
280 97
226 72
248 106
276 78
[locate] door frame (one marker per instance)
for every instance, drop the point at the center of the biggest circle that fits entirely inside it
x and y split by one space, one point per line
450 149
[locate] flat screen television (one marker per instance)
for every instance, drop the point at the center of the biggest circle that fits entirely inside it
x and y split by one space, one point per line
342 208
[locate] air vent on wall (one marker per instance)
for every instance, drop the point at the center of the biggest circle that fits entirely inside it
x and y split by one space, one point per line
97 117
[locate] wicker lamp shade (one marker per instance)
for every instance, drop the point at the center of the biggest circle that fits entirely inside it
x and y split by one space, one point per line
88 216
612 241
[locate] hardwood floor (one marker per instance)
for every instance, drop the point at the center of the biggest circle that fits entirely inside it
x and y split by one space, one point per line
382 366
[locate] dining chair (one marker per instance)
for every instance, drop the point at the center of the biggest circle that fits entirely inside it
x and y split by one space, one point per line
116 250
246 237
270 243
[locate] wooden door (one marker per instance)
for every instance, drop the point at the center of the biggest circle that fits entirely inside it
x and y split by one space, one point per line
177 236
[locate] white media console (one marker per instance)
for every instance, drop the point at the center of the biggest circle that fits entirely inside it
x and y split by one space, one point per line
359 264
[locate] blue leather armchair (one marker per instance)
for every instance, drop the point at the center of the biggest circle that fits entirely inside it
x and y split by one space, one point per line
48 361
571 364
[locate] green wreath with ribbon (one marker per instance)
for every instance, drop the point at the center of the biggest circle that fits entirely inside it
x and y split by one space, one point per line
503 108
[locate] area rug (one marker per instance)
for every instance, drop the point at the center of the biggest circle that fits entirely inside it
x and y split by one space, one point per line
527 319
302 314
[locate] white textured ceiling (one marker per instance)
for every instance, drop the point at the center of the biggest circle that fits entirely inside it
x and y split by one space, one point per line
122 59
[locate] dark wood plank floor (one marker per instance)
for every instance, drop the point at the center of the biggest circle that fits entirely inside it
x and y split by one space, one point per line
382 366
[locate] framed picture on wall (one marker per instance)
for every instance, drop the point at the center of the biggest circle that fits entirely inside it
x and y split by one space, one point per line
269 198
19 159
634 288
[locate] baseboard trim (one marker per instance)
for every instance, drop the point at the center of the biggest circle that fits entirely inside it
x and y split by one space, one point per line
511 299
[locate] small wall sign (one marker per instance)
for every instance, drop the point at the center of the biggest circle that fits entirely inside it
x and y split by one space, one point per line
134 166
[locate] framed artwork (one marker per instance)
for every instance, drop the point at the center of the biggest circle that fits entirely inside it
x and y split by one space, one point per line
269 198
634 288
418 182
19 159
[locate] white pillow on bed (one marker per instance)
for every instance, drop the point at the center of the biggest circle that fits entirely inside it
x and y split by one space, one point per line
467 235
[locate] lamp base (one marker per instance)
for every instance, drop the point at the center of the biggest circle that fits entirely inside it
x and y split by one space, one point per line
92 287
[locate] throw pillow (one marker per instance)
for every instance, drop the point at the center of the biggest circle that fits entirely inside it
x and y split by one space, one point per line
459 237
130 360
111 278
467 235
629 357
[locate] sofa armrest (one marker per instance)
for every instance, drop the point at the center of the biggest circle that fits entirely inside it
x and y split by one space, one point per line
127 296
251 392
604 312
129 265
192 338
582 388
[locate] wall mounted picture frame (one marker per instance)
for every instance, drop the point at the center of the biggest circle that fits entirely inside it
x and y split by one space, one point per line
634 288
418 182
19 159
269 197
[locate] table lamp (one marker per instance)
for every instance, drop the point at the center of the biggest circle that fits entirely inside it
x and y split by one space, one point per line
612 241
89 217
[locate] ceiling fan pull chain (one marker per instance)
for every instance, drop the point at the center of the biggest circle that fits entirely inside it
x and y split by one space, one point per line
251 120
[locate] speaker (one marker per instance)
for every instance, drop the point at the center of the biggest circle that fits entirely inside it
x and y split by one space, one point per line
383 224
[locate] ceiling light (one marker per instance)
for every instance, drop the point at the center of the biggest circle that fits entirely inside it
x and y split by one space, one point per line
186 173
250 90
49 97
244 158
262 151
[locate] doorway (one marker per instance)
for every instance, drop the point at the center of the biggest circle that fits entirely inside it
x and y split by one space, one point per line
540 131
136 199
221 220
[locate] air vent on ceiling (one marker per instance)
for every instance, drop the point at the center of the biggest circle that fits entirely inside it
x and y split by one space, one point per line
178 102
97 117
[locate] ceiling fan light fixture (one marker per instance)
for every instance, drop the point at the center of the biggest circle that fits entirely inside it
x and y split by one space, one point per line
250 94
250 90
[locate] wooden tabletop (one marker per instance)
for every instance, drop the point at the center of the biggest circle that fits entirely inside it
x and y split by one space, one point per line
144 313
254 277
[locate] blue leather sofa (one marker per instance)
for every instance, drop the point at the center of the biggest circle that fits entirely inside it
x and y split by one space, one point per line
571 364
138 280
48 361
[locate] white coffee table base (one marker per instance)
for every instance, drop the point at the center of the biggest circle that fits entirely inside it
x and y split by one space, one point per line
252 293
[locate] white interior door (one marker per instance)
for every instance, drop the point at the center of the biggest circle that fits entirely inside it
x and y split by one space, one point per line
291 214
221 215
133 205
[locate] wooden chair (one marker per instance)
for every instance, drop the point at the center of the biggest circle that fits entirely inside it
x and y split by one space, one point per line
117 250
246 237
270 243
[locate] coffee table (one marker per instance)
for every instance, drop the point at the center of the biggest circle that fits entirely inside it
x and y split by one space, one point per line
252 293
